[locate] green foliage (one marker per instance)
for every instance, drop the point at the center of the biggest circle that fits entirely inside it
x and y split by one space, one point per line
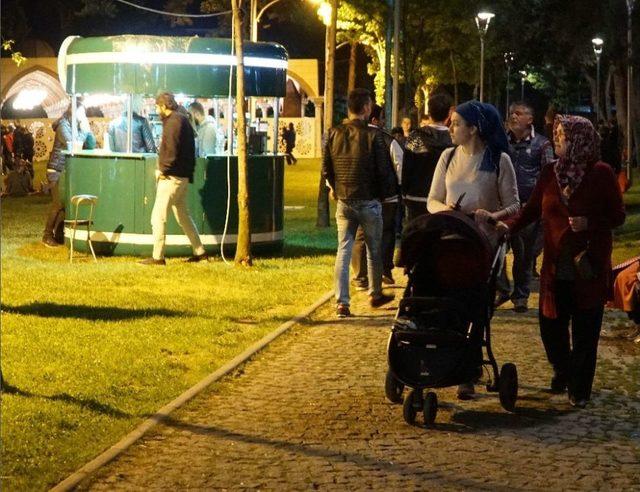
364 21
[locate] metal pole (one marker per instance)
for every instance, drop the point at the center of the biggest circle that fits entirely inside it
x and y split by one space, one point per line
254 20
508 80
630 5
597 88
396 62
276 122
74 121
522 89
129 124
481 67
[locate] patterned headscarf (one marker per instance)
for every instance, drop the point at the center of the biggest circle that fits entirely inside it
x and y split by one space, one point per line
488 121
583 149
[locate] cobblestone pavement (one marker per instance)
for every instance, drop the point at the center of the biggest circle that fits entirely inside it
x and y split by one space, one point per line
310 413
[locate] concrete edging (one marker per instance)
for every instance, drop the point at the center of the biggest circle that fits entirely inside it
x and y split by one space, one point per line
127 441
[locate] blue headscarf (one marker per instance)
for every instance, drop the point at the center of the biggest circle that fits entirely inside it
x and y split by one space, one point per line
487 120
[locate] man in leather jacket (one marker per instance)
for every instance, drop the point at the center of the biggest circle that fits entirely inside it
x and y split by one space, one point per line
357 168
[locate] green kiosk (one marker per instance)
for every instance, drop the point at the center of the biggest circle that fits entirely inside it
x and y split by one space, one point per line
124 182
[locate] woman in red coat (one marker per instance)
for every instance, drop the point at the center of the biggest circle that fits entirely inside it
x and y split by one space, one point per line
578 199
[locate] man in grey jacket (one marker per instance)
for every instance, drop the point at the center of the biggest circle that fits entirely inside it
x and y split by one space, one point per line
357 168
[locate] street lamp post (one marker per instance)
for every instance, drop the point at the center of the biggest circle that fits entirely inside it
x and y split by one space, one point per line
630 6
482 22
508 60
523 77
597 50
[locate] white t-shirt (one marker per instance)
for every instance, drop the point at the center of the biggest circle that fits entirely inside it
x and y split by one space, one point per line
483 189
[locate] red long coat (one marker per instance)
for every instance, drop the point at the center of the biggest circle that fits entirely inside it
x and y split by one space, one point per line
599 199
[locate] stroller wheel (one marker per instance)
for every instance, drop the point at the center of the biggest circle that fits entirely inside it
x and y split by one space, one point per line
410 407
393 388
430 408
508 387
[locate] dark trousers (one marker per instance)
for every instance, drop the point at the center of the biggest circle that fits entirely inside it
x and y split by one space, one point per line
415 209
523 246
575 358
359 256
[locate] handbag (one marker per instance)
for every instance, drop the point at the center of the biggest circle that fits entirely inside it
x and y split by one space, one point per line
583 265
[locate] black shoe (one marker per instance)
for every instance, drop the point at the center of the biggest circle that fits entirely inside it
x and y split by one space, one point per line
577 402
466 391
558 384
520 305
361 283
49 242
151 261
380 300
342 311
387 279
197 258
501 298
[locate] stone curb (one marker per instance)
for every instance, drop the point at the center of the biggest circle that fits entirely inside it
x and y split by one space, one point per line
127 441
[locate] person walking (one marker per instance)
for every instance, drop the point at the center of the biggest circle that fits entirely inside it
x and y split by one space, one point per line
423 149
289 139
389 215
358 171
529 152
579 202
176 162
480 170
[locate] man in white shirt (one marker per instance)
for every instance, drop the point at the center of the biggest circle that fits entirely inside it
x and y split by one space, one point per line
207 130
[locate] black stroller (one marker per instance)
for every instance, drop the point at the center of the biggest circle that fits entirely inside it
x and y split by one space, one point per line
443 319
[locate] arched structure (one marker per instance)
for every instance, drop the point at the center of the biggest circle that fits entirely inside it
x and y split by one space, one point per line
38 77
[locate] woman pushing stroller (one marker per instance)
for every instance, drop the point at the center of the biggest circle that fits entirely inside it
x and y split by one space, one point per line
476 176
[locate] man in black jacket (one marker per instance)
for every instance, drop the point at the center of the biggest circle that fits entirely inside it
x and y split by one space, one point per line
422 152
357 168
176 162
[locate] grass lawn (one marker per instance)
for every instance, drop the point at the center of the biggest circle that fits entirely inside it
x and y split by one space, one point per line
89 350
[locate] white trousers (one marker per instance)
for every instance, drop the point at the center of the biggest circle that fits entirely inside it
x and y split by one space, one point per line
172 192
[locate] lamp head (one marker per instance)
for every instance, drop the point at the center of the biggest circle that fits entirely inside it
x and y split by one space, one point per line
523 73
597 45
482 21
324 12
509 57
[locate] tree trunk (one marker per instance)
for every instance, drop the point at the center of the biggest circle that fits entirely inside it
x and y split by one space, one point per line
243 247
353 56
455 78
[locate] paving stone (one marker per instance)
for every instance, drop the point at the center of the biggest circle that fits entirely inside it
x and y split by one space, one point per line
309 413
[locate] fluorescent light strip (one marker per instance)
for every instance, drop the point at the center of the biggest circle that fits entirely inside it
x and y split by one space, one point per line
171 59
170 239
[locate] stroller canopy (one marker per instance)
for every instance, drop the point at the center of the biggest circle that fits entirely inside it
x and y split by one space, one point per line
449 248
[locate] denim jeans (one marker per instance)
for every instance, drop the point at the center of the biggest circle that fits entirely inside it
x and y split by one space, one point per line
349 215
523 245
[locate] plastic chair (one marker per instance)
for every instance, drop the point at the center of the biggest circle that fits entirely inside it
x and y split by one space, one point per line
76 202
